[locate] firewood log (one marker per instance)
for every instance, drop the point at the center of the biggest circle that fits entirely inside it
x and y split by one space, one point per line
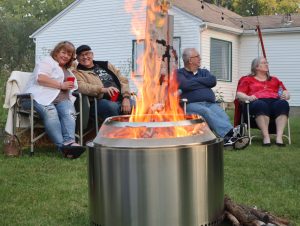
278 220
248 216
267 217
260 215
231 218
244 217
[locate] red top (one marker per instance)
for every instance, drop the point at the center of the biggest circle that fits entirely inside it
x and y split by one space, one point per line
261 89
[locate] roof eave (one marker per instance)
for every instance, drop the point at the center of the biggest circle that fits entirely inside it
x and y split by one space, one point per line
219 27
187 14
274 30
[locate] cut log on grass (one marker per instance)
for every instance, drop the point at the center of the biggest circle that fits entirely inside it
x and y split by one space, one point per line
278 220
244 217
231 218
249 216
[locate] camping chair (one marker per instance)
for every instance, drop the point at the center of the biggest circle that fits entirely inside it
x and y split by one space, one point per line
90 103
242 115
83 104
23 120
249 119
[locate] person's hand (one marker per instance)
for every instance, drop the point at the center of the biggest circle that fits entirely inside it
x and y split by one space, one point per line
67 85
125 108
252 98
110 90
285 95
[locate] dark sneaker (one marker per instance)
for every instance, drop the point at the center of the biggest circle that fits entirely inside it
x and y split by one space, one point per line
229 141
72 152
237 143
241 143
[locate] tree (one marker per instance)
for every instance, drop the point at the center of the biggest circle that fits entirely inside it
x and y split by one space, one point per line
18 20
264 7
259 7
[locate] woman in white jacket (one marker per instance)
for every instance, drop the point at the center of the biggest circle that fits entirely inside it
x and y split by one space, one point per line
52 96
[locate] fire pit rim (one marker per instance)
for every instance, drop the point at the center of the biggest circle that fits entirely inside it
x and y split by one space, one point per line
112 121
125 143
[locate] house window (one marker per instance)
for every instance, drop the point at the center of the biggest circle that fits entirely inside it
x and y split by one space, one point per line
138 51
221 59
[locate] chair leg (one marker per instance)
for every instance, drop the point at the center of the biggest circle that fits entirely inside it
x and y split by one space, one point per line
289 131
80 120
249 126
31 129
96 115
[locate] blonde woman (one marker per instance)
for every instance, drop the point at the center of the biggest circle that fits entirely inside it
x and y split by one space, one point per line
53 99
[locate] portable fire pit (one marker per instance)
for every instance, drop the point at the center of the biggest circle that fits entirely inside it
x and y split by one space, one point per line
167 173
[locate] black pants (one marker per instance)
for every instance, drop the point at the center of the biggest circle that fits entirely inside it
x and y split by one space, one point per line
269 107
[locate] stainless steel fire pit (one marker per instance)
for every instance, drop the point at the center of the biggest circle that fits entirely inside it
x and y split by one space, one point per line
155 181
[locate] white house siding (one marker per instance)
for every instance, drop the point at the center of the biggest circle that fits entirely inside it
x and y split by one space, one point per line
227 89
187 28
106 27
283 56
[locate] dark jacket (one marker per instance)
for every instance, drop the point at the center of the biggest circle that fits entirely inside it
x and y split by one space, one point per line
196 88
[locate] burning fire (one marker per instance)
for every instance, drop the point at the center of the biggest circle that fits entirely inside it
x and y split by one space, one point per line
158 99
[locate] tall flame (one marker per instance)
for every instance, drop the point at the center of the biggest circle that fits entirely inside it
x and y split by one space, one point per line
158 97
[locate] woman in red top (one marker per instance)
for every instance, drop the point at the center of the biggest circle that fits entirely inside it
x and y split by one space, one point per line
268 98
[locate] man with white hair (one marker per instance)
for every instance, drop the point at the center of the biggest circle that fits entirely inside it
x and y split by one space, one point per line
196 85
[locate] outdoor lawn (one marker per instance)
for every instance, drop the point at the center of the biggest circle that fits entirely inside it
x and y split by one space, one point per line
47 189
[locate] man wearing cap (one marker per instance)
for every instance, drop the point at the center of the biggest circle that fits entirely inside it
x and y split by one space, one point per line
102 80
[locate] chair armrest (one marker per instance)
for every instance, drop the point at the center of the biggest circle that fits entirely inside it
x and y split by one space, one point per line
24 96
76 93
184 100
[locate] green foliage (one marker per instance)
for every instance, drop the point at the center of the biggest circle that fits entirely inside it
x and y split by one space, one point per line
259 7
19 19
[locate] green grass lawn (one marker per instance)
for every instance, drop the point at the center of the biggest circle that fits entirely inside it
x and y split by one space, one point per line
49 190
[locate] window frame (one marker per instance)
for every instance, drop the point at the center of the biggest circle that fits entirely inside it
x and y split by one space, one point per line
229 63
134 57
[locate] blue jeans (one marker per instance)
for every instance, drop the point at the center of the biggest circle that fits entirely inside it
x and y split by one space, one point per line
214 115
107 108
59 120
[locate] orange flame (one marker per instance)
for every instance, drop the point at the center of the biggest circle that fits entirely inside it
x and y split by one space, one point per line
158 99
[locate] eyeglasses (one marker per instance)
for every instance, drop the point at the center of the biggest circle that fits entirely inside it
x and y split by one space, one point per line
86 54
265 63
198 56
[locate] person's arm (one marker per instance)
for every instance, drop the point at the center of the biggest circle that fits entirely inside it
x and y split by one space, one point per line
244 97
243 90
204 81
207 79
125 90
44 80
88 88
285 94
